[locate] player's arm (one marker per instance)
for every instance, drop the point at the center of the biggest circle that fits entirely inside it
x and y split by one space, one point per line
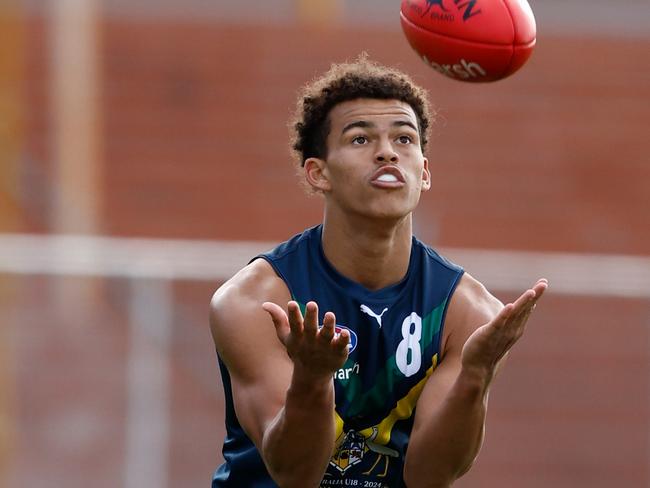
450 416
281 376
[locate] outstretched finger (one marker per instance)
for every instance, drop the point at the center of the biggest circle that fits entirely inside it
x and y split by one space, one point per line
540 287
341 342
327 331
280 320
295 319
532 295
526 300
523 304
310 323
522 308
503 317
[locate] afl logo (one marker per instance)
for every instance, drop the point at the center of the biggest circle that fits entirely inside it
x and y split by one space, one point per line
353 336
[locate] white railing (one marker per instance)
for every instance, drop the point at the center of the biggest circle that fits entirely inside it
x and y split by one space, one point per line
569 273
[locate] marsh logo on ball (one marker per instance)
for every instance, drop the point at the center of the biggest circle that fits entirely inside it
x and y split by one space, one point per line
463 70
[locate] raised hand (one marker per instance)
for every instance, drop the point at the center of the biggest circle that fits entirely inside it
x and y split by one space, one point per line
316 351
485 348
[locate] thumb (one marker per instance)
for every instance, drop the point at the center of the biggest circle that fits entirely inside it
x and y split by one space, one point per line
280 320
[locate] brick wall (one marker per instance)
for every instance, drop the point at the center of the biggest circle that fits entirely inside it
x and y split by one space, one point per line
196 142
195 137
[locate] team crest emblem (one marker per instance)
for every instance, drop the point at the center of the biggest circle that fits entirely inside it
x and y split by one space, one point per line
353 448
349 452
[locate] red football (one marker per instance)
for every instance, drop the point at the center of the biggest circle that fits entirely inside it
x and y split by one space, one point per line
470 40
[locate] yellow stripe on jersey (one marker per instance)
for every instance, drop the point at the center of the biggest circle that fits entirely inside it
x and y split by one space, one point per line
403 410
338 425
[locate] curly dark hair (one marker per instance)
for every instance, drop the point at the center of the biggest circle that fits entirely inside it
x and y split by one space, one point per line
350 81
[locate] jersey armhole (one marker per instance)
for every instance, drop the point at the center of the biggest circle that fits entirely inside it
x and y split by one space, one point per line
277 272
452 289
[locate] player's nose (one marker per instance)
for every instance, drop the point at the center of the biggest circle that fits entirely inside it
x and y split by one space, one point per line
386 153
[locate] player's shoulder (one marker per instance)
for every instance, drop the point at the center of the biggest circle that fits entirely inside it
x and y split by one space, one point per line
471 306
472 294
245 292
241 330
433 256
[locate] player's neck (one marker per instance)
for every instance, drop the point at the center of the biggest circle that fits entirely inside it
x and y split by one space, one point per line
373 254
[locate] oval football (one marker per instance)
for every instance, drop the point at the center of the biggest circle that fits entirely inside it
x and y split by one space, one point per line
470 40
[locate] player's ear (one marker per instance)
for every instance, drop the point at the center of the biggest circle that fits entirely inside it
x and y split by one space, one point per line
316 174
426 176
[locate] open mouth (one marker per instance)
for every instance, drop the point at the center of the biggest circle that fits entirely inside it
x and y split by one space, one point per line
388 177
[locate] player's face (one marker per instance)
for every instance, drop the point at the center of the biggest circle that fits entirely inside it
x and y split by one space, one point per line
374 165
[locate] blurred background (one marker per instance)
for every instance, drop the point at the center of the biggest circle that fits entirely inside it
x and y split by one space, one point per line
144 158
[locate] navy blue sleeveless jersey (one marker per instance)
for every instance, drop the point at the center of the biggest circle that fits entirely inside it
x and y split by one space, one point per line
395 337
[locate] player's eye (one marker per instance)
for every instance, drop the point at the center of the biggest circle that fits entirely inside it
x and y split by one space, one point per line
405 139
360 140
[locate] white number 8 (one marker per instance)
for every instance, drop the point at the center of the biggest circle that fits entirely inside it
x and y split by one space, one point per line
411 342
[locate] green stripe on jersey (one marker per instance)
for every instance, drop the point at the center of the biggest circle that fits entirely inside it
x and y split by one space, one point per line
390 374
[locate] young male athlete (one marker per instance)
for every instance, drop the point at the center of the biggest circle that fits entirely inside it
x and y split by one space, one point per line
353 354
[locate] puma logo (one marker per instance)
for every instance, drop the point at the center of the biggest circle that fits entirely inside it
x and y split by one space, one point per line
367 310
